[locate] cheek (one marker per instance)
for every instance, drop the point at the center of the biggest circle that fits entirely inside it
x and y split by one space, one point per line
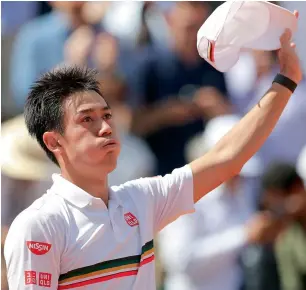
86 149
81 145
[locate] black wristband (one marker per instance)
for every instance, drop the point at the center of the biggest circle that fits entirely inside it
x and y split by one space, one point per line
286 82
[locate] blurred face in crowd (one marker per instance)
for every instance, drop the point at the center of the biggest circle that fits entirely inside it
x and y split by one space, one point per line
68 6
184 20
73 9
89 143
277 199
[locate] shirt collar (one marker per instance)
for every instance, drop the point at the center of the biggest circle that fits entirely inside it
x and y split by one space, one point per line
77 195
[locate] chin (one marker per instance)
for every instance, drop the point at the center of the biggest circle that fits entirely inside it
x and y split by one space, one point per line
111 167
105 163
109 163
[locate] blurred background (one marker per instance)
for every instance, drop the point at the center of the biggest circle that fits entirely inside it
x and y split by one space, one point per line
170 107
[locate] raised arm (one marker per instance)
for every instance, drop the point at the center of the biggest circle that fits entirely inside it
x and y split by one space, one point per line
229 155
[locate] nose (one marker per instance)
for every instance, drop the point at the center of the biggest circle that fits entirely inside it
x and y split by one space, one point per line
105 130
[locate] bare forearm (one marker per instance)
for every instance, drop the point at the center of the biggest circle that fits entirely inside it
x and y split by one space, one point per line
229 155
250 133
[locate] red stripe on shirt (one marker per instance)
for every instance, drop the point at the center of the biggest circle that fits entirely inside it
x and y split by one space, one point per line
106 278
147 260
98 280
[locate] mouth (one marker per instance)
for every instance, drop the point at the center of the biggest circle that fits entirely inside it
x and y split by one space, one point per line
110 143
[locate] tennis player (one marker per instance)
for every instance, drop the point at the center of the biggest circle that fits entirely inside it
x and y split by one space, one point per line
83 234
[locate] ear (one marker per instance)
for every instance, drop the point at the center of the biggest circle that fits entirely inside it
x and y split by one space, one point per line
51 140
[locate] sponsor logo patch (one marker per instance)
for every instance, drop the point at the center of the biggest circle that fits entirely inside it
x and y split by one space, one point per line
131 219
38 248
30 278
44 279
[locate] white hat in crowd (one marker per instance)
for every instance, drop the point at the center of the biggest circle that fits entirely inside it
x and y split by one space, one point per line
22 157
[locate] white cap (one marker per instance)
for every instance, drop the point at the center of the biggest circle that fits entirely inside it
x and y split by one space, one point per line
218 127
242 25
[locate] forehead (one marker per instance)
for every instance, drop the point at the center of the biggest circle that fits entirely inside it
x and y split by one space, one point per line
83 101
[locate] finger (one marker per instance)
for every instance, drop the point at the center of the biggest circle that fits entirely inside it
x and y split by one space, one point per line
286 37
293 45
296 13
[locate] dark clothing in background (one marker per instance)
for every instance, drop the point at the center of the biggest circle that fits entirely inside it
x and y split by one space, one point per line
260 268
166 76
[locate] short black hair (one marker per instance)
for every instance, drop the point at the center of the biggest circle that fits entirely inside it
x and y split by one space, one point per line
280 176
43 109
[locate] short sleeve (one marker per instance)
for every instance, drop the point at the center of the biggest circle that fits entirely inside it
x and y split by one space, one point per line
32 251
166 197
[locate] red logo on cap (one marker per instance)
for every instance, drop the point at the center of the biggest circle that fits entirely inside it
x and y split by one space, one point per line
38 248
131 219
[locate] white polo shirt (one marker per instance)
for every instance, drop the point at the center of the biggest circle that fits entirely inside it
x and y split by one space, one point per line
68 239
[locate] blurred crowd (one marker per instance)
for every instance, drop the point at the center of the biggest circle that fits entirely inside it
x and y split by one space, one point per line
170 107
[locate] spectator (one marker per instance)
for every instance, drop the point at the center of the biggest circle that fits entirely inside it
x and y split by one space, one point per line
40 44
284 189
25 169
25 174
168 115
136 24
207 244
282 264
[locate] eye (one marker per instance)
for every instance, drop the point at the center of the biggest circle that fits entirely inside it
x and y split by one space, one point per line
87 119
108 116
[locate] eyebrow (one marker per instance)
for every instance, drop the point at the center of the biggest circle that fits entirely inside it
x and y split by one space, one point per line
91 110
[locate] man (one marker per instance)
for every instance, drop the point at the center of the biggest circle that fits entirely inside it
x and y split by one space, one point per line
25 169
281 264
172 81
208 243
54 34
83 233
284 189
291 247
25 174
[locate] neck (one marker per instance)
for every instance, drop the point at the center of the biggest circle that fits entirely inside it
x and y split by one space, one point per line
95 187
